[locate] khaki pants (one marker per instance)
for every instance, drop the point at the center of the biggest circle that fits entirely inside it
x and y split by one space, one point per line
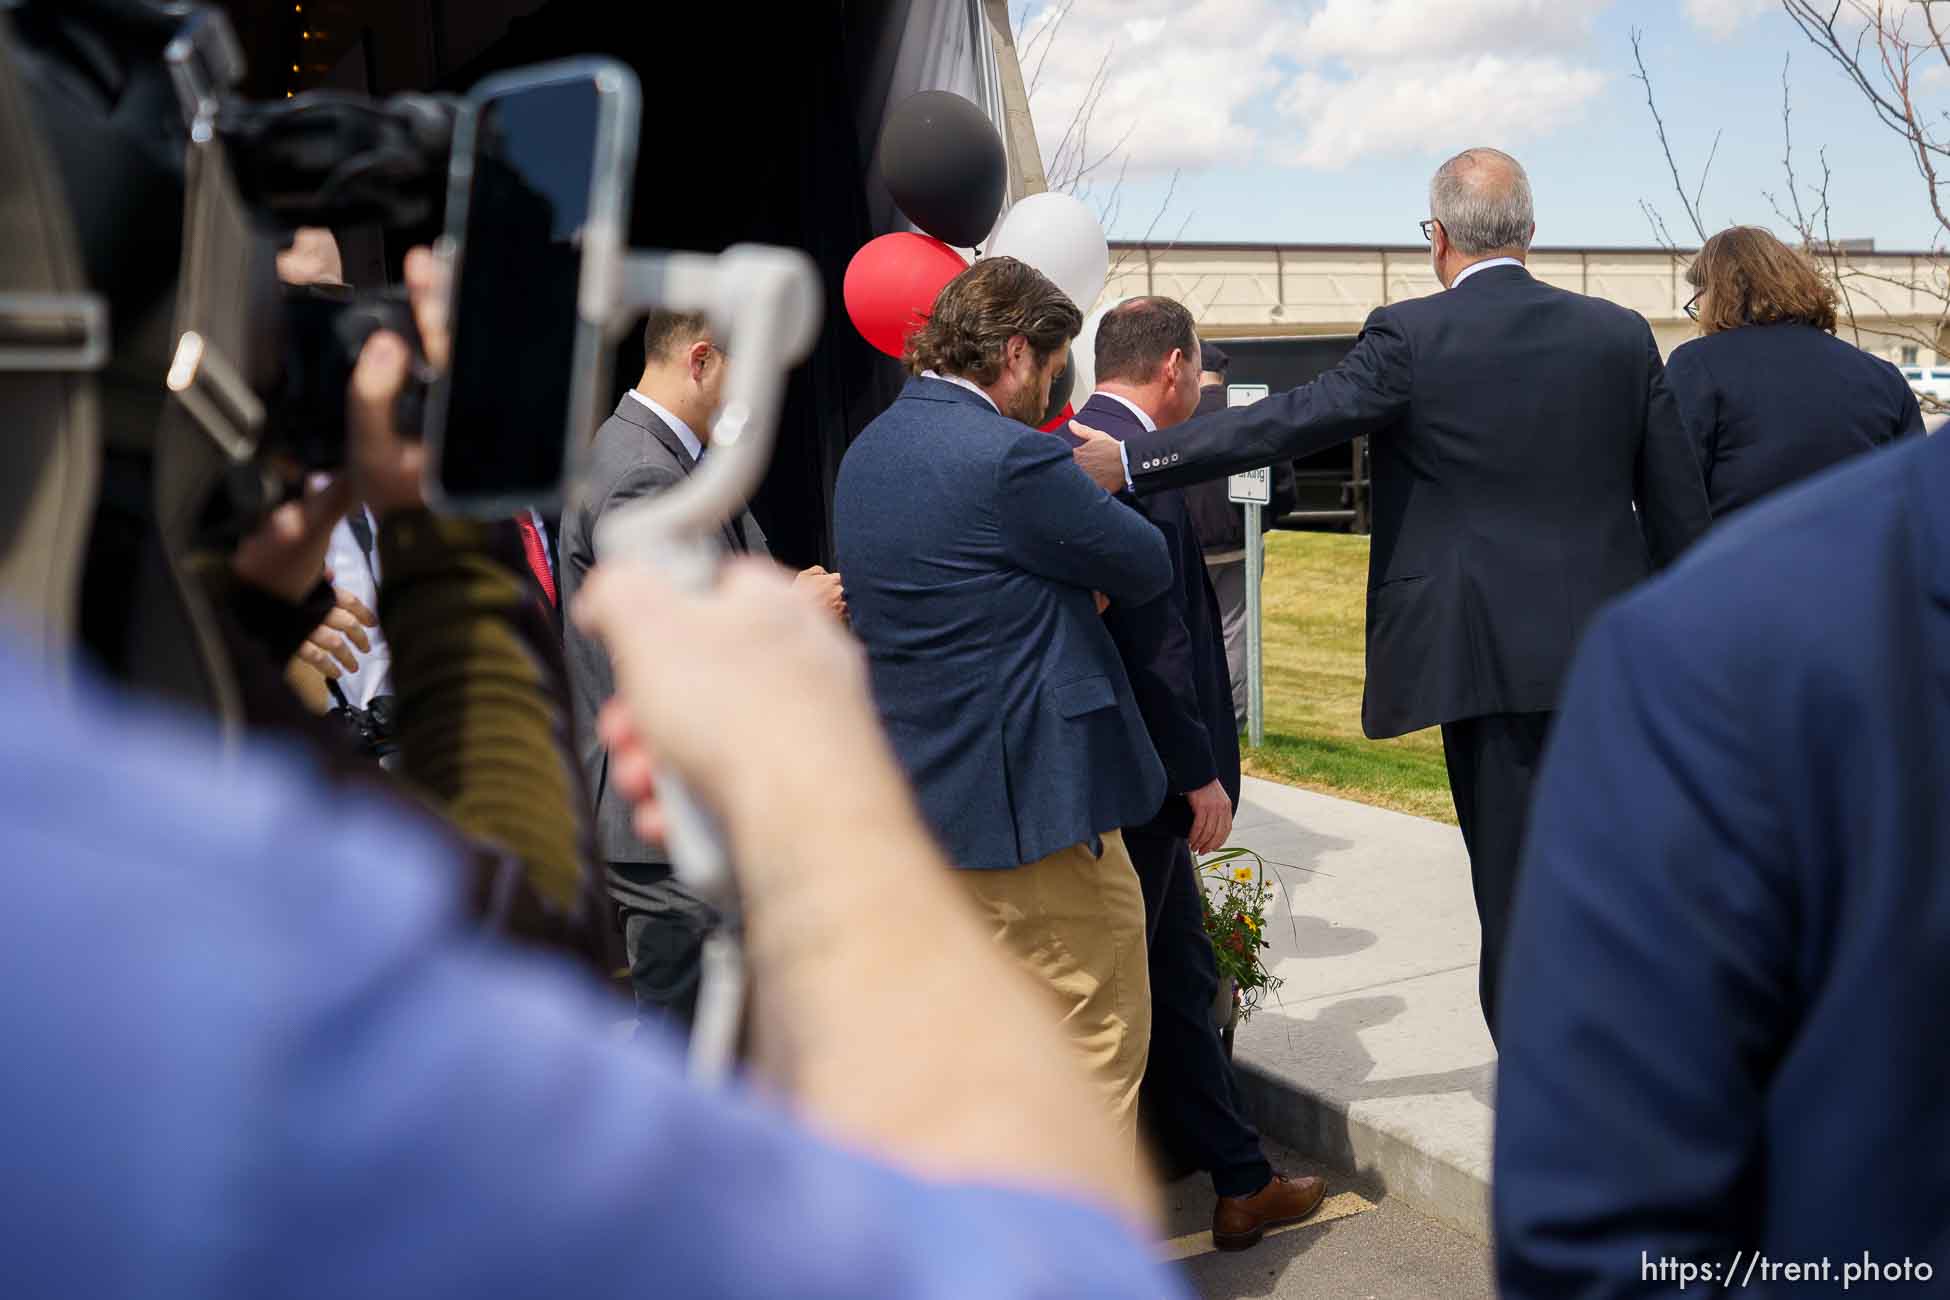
1076 922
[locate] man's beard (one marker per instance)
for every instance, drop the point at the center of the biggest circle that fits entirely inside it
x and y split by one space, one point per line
1028 406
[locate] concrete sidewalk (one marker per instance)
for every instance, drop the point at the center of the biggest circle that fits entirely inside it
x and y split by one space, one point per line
1373 1057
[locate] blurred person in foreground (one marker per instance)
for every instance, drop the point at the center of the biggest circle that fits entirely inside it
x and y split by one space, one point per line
1529 465
974 550
659 431
1147 366
331 1086
1723 1034
1768 392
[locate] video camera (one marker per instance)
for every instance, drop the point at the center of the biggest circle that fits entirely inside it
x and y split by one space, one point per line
324 159
332 160
537 166
524 168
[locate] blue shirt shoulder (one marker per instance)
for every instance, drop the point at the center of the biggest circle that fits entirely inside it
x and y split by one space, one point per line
255 1034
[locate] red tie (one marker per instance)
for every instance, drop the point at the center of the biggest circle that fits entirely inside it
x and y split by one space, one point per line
531 541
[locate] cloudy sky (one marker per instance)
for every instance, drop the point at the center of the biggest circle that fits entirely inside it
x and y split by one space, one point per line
1320 120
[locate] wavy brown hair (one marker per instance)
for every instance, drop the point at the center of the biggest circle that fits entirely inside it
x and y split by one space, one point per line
1751 278
984 307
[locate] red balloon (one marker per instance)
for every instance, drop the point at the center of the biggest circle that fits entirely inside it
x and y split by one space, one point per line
891 285
1069 413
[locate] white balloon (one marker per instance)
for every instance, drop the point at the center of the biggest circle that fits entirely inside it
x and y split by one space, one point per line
1061 237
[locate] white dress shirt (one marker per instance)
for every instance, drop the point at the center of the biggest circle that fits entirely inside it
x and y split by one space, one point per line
959 382
355 571
677 426
1484 265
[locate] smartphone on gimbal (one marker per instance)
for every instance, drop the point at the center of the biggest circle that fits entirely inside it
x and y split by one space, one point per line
537 205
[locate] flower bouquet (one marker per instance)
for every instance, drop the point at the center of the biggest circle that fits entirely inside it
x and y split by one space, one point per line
1236 893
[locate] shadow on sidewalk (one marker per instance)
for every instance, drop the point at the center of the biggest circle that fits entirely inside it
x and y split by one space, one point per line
1334 1035
1290 858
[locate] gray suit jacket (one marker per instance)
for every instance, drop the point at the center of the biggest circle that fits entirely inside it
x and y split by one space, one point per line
635 455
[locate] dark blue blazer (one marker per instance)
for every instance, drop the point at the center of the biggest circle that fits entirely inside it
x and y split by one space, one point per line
1723 999
1770 405
1529 465
1174 648
969 545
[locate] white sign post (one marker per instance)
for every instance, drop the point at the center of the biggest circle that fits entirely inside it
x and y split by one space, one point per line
1253 490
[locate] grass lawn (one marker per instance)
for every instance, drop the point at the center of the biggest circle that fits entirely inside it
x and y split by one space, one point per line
1314 616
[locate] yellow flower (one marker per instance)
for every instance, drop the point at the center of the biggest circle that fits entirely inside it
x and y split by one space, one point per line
1250 924
1243 873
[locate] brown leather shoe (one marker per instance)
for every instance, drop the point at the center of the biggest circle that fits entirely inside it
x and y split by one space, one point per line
1240 1221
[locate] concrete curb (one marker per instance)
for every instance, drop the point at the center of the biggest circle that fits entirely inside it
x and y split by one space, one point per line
1318 1127
1373 1058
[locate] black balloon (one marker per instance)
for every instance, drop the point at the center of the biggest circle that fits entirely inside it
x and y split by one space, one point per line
1060 389
943 163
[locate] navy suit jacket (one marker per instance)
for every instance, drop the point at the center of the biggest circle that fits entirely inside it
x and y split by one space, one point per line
1770 405
1516 427
1174 648
1722 1024
970 545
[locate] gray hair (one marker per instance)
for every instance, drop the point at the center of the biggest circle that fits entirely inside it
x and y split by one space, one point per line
1482 199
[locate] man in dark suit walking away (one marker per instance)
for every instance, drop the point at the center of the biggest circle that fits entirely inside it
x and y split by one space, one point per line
652 442
974 550
1147 378
1529 465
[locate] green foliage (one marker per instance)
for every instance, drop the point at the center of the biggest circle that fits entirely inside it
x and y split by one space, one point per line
1315 615
1236 897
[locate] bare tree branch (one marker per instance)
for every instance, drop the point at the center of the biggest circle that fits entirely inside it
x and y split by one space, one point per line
1659 231
1880 58
1691 208
1787 149
1076 166
1711 154
1834 251
1823 31
1075 139
1144 241
1045 37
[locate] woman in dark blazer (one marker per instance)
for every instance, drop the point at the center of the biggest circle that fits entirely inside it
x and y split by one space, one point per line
1768 392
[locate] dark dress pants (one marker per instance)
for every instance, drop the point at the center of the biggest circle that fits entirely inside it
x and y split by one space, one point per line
1190 1098
664 927
1492 769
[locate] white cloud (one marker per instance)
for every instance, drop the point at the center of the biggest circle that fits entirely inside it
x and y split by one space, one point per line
1313 83
1433 107
1179 76
1722 18
1386 29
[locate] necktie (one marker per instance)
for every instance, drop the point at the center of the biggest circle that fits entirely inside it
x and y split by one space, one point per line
531 542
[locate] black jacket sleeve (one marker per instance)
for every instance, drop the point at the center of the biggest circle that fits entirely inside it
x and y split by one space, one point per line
1366 393
1697 398
1157 651
1671 491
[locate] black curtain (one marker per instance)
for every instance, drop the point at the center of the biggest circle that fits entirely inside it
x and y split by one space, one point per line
750 135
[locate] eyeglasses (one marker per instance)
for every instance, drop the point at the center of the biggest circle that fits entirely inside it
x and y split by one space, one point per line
1692 304
1428 230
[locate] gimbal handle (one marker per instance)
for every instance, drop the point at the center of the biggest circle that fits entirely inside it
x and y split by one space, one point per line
766 304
